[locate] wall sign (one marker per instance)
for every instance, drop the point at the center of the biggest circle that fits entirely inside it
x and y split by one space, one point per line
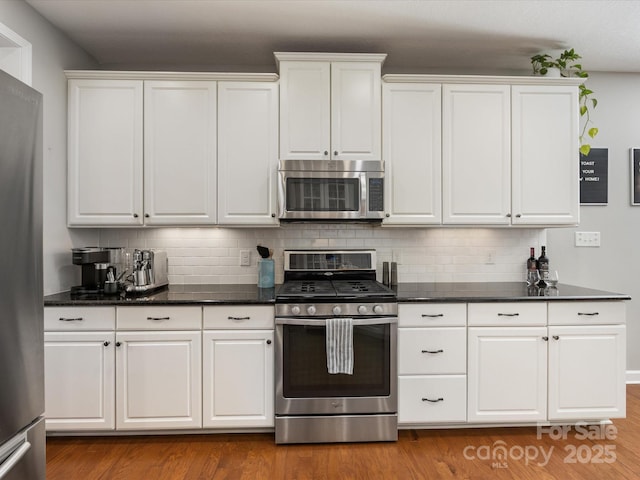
635 176
594 175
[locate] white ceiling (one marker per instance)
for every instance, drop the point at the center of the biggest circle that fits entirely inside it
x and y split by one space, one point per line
454 36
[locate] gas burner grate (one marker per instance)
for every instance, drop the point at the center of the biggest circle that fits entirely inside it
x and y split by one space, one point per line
357 286
308 287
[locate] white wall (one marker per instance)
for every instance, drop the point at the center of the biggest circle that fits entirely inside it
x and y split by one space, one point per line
52 54
615 265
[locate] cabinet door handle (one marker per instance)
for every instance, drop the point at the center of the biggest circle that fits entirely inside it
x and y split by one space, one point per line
436 400
556 337
118 344
508 314
335 153
238 318
589 314
146 215
326 152
508 215
76 319
433 351
432 315
273 215
546 339
268 342
135 215
158 319
518 215
106 344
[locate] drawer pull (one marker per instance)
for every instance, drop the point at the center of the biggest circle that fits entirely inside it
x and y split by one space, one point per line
433 351
158 319
433 400
508 314
77 319
106 343
426 315
546 339
589 314
238 318
556 337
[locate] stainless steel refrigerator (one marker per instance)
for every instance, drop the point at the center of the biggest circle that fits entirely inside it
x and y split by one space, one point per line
22 434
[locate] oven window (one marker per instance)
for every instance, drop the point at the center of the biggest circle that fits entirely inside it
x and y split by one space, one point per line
323 195
304 363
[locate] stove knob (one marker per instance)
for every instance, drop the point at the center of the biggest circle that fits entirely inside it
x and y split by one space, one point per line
311 310
378 309
362 309
337 310
295 310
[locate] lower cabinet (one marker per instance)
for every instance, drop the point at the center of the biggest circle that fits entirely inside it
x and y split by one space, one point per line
238 366
79 380
432 363
158 379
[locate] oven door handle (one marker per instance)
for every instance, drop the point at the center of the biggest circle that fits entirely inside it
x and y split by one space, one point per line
321 322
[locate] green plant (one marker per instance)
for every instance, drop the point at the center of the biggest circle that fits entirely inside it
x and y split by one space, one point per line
567 64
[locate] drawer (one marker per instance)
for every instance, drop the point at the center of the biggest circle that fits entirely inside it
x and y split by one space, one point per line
507 313
587 313
159 318
239 316
432 314
432 350
79 318
432 399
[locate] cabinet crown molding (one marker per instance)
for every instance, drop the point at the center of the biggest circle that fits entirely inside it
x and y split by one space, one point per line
328 57
177 76
481 79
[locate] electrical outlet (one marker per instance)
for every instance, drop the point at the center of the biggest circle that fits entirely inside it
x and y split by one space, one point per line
587 239
245 258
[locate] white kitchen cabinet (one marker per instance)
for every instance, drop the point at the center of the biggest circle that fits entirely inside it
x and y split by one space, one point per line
247 153
476 154
412 124
330 106
238 366
432 364
79 373
545 172
180 152
507 376
105 152
158 380
587 360
158 367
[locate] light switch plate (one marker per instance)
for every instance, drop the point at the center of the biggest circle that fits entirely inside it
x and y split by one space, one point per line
245 258
587 239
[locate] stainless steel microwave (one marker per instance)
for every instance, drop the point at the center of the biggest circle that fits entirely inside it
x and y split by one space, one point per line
331 190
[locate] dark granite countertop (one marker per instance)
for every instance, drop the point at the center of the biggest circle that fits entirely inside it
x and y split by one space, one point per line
242 294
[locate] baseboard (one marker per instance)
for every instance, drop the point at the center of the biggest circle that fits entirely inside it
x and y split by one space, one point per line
633 376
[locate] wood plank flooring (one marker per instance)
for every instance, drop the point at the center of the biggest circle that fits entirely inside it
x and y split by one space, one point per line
418 454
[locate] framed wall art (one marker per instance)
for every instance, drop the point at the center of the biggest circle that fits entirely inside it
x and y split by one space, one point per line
634 157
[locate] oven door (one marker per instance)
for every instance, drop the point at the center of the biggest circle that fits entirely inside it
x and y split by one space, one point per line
303 384
331 195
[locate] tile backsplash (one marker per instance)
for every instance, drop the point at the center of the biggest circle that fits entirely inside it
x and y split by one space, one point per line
212 255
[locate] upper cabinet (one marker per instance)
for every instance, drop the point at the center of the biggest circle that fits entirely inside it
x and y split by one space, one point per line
105 152
179 152
509 152
143 148
247 153
330 106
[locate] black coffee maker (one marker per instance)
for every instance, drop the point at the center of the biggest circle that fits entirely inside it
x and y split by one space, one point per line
95 263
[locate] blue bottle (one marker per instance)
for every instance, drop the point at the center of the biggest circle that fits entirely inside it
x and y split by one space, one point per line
266 273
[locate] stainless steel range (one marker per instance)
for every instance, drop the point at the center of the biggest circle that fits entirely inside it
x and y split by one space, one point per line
336 328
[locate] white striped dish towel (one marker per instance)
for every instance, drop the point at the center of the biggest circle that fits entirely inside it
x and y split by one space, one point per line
339 345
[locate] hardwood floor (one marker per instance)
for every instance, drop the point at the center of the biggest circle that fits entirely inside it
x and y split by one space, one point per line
613 453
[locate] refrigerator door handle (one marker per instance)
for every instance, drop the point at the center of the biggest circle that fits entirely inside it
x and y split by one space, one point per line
12 460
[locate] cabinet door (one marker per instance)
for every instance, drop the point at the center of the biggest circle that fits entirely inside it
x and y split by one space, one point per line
247 153
79 380
545 155
305 110
238 379
412 153
105 153
476 154
587 372
158 380
356 114
507 376
179 153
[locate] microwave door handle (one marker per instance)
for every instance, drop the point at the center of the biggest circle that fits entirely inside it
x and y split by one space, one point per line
363 194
